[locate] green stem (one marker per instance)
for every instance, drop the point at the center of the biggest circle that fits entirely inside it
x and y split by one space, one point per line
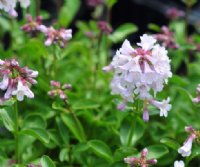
16 133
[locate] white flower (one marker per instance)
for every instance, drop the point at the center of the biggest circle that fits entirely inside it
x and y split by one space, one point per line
164 106
66 34
4 82
179 164
147 42
21 91
185 150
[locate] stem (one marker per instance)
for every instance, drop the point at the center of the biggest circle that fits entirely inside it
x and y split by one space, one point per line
16 133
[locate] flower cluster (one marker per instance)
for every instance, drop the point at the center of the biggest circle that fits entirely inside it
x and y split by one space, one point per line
32 25
104 27
60 36
59 90
140 71
16 80
174 13
142 161
185 150
166 38
94 3
9 6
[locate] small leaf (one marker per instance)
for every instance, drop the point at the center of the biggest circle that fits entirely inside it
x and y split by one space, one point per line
34 121
122 32
64 132
64 155
38 133
74 125
131 132
123 152
47 162
101 149
170 143
7 120
157 151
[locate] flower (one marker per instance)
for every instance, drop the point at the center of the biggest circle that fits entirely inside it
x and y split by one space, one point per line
32 25
164 106
16 80
179 164
166 38
185 150
9 6
174 13
22 90
104 27
59 90
142 161
139 73
60 36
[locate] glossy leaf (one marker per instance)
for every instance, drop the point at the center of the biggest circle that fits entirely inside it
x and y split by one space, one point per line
75 126
47 162
101 149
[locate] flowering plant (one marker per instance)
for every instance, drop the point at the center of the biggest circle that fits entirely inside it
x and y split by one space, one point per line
97 92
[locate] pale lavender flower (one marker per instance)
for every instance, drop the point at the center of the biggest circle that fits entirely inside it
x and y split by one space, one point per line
185 150
163 106
53 36
179 164
9 6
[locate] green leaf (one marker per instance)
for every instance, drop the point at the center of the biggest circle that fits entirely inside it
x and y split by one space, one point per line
34 121
170 143
101 149
154 27
47 162
130 133
38 133
64 132
74 125
123 152
53 134
157 151
7 120
122 32
64 155
68 12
